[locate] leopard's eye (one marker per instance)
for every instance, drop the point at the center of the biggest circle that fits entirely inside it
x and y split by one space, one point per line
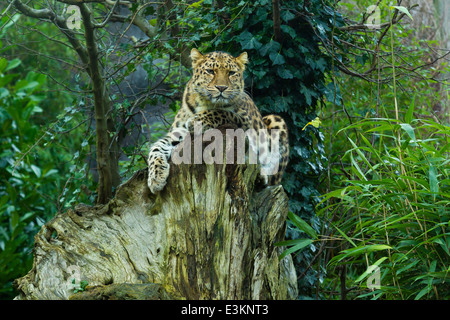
210 71
231 73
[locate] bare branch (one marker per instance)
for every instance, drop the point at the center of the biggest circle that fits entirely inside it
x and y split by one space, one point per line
6 10
60 22
108 17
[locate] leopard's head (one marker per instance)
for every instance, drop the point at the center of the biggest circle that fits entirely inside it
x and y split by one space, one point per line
218 76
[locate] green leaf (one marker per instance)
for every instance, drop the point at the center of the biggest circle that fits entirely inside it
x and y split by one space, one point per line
277 58
407 267
50 172
14 63
3 93
195 5
302 225
14 220
248 41
370 269
6 79
354 252
289 30
409 130
302 243
362 59
361 155
370 248
344 235
423 292
356 169
36 170
410 113
23 85
3 64
404 10
285 73
287 15
434 183
270 47
288 243
307 93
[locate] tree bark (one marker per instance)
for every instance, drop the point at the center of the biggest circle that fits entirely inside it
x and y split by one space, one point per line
276 20
209 234
106 150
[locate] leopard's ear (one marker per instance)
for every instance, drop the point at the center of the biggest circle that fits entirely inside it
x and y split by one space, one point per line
242 60
196 57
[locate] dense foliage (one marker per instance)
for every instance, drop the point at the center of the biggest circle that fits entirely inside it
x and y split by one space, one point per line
35 169
42 162
386 213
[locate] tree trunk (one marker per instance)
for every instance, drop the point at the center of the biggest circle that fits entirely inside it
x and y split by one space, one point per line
209 234
106 150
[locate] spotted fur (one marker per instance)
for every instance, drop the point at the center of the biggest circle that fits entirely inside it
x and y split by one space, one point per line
215 96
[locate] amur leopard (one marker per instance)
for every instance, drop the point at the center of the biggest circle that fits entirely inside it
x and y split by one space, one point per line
215 96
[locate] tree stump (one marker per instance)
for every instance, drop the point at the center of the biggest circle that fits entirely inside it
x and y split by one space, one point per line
209 234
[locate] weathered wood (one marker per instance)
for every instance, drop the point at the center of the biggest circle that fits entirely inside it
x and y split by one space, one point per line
209 234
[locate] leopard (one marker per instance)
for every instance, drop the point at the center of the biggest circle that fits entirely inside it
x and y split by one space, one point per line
215 96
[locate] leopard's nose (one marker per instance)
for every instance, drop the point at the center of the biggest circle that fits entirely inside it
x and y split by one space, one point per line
222 88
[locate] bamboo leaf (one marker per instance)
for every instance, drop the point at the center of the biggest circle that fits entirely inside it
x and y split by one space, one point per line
423 292
344 235
302 225
409 130
434 184
370 269
289 243
303 243
354 252
409 114
357 169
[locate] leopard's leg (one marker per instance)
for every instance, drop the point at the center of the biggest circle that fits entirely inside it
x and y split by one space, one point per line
158 158
278 136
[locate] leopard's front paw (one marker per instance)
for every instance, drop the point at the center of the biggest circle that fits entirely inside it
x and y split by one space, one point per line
158 172
269 168
264 179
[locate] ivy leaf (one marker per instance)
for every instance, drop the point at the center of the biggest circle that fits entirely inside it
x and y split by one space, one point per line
259 74
289 30
307 93
272 46
285 73
287 15
277 58
320 64
248 41
362 59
